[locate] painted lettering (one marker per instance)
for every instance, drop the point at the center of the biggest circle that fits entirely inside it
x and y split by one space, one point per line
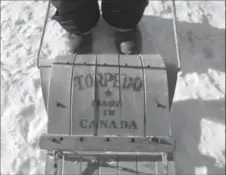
111 103
103 124
110 80
109 77
138 84
124 124
133 125
108 112
105 112
111 112
89 81
109 124
92 124
116 83
130 83
100 79
83 123
112 124
107 103
104 103
124 82
77 80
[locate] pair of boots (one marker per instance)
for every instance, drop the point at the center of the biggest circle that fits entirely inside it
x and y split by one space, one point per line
126 41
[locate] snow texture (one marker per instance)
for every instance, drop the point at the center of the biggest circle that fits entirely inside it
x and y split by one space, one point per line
198 114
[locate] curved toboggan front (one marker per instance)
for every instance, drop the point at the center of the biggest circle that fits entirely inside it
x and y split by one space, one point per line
111 94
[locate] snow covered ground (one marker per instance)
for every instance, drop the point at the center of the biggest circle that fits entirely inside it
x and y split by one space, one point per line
198 112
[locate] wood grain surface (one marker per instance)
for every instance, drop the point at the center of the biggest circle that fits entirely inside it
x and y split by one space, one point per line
109 94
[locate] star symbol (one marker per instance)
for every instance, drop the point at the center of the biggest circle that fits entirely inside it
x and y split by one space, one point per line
108 93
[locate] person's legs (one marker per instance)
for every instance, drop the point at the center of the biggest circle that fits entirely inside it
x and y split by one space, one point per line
76 16
124 16
56 3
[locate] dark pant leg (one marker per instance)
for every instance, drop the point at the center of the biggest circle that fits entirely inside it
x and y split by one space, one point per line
123 14
77 16
56 3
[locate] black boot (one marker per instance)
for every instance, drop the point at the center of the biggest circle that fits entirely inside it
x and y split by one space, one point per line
128 41
79 44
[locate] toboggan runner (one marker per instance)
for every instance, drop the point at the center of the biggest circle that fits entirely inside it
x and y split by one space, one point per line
106 107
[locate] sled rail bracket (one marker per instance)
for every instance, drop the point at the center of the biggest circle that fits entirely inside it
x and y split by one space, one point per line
107 145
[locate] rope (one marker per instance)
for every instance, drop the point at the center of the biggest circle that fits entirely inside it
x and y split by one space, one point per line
176 35
43 33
